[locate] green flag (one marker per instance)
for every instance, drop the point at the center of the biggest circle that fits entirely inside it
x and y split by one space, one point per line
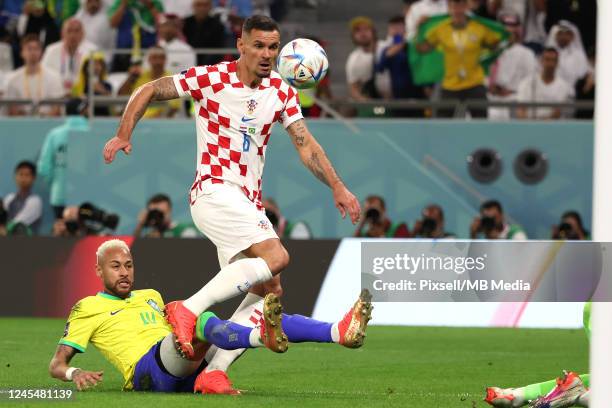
428 68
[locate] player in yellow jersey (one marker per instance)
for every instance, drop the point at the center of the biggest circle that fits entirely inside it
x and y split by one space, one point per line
129 329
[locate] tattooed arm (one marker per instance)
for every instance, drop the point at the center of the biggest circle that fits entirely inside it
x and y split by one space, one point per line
314 158
161 89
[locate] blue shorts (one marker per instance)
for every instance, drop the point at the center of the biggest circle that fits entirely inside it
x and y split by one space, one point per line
150 375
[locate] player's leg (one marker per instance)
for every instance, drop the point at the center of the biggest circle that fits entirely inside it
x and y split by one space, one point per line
234 224
569 391
520 396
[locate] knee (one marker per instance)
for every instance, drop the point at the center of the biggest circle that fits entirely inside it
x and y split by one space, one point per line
278 260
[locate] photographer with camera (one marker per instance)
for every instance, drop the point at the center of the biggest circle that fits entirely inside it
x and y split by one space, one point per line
157 222
492 224
375 224
431 225
283 227
570 228
86 219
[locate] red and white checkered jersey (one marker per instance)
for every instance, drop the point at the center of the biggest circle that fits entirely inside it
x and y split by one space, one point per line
234 123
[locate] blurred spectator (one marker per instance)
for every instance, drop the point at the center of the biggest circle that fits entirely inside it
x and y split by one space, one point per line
137 77
23 206
485 8
462 41
98 30
179 8
180 55
52 160
585 87
3 220
35 19
65 56
202 30
238 8
573 63
514 64
321 90
100 87
374 222
570 227
156 221
33 81
544 86
135 22
6 58
361 76
283 227
394 58
535 29
583 13
431 224
419 12
493 225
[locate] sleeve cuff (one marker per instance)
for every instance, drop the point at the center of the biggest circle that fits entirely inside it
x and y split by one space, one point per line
75 346
176 78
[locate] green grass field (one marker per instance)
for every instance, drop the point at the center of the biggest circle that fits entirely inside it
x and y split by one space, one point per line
398 366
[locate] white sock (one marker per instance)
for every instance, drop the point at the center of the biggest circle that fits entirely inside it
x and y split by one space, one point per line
235 278
255 338
335 333
247 314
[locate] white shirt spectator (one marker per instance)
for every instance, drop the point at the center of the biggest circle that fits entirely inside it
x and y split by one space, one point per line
180 8
28 211
360 66
45 84
6 64
179 55
573 62
420 9
97 28
516 63
57 59
533 89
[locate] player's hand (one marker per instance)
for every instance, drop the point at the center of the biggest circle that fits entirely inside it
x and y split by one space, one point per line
85 379
113 146
346 202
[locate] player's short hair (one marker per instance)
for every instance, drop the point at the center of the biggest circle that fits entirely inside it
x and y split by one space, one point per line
26 164
259 22
160 198
108 245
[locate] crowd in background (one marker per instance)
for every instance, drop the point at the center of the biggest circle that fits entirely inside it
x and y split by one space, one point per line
46 46
21 214
496 50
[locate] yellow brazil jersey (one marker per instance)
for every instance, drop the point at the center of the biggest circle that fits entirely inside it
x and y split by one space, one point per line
462 49
122 329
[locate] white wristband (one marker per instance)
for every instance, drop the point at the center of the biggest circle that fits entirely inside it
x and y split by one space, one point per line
69 372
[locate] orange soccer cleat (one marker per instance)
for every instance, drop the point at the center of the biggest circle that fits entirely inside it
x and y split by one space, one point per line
183 323
353 326
214 382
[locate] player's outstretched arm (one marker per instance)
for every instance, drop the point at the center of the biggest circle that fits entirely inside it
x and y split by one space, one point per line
60 364
314 158
161 89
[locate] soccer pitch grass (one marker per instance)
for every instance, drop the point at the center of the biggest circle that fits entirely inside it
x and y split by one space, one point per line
398 366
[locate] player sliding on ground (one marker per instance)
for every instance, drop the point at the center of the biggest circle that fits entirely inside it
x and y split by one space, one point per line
236 105
570 390
128 327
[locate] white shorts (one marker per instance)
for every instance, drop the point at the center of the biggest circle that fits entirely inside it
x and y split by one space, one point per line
230 220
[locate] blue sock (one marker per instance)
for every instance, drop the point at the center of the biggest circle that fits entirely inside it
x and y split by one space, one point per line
300 328
223 333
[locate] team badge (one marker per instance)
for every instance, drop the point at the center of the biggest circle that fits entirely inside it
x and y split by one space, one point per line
263 224
251 105
152 303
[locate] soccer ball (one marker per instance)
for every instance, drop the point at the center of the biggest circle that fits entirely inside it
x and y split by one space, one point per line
302 63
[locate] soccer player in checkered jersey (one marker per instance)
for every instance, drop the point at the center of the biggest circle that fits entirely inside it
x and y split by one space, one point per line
236 104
